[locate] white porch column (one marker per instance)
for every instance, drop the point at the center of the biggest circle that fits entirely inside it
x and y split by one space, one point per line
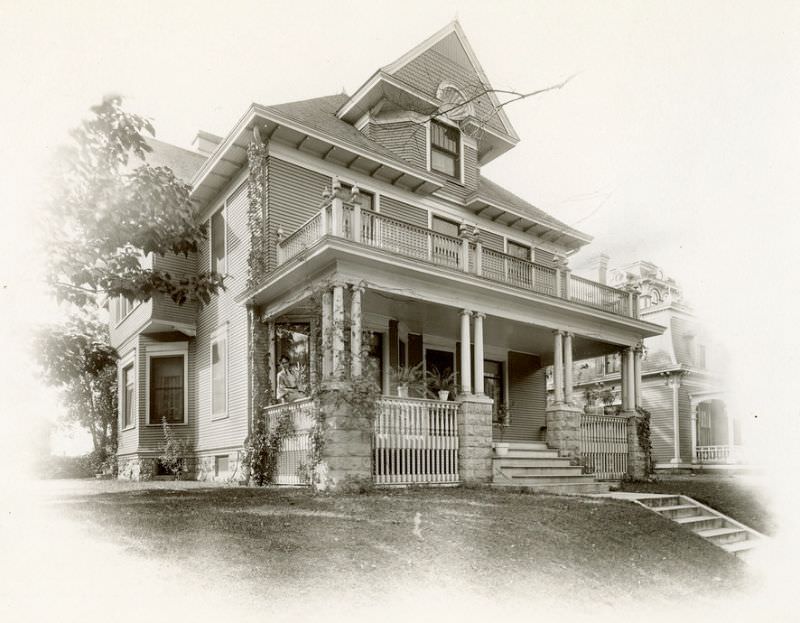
479 389
355 331
631 393
466 370
568 384
337 329
624 378
558 368
731 437
272 369
637 376
674 381
327 334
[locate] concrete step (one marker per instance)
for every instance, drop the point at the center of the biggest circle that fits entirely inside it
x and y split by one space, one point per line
532 480
657 502
533 445
701 522
525 470
740 547
530 462
528 454
724 535
679 510
577 488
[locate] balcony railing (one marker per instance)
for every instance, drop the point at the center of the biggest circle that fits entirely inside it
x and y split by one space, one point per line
466 254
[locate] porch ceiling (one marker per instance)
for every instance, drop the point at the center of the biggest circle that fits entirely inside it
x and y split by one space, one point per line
443 321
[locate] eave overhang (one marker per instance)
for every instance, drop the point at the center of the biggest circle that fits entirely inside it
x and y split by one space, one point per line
298 275
513 218
231 155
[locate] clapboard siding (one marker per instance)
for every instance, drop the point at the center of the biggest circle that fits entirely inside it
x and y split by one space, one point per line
128 440
119 333
405 138
527 398
404 211
491 240
428 70
223 312
295 195
164 308
540 256
657 399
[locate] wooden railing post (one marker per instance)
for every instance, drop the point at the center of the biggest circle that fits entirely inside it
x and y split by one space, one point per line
323 212
567 281
337 216
356 199
478 258
279 246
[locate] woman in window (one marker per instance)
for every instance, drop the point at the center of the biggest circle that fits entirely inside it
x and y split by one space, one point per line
286 383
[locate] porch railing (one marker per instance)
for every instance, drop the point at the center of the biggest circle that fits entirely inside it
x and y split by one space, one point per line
415 441
295 446
718 454
604 445
466 254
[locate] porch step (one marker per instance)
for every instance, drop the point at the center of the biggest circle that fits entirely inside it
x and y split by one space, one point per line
516 471
705 522
533 445
549 479
513 453
561 488
531 462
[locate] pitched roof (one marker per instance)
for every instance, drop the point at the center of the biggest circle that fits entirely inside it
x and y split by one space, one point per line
183 162
493 193
319 114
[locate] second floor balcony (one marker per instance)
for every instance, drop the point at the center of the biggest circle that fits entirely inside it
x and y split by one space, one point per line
345 218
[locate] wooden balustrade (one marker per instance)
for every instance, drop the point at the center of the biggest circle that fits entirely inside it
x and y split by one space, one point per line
296 446
604 445
415 441
350 221
717 454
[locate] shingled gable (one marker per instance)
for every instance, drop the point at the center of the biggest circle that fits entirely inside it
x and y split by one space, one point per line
416 81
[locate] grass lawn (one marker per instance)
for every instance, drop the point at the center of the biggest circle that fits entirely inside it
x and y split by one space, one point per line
740 497
489 543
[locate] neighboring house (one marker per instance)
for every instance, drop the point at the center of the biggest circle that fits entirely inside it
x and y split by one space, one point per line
682 375
362 225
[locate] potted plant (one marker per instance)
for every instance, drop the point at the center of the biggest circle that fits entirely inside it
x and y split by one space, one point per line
441 384
607 397
407 376
503 420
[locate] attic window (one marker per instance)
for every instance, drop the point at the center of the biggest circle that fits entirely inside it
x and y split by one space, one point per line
445 149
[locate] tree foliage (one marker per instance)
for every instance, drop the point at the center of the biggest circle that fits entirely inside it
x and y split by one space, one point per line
106 214
76 358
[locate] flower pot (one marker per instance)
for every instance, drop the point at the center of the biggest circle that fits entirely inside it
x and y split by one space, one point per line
444 394
501 449
402 391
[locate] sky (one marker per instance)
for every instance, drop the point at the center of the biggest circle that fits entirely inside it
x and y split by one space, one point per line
677 141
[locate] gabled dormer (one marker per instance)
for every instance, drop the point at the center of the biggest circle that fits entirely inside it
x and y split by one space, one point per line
434 107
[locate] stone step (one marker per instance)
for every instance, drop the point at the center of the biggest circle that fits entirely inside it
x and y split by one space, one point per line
679 510
724 535
701 522
579 488
528 470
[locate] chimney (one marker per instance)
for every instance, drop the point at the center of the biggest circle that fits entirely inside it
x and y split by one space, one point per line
600 262
205 142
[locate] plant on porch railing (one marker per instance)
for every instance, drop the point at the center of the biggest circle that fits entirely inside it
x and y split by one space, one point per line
440 382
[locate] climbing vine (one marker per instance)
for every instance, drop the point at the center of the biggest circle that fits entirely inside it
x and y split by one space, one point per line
643 434
257 155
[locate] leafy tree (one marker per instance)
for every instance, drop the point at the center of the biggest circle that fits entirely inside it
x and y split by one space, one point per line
75 357
105 215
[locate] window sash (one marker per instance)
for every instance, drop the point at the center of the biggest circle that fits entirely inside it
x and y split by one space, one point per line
218 376
127 405
167 389
519 250
218 241
445 149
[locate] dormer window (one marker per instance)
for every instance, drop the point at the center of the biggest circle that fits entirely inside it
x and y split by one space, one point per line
445 149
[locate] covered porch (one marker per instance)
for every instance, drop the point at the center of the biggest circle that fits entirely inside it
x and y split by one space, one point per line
716 434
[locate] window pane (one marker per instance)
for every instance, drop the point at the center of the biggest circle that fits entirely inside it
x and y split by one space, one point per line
444 137
218 242
519 250
443 162
166 389
443 226
367 198
127 405
218 377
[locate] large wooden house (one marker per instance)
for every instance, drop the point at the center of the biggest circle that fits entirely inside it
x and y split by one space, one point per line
360 238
